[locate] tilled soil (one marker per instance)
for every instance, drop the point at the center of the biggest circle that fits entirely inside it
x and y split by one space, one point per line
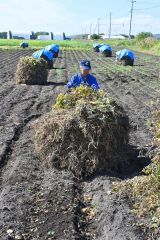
41 203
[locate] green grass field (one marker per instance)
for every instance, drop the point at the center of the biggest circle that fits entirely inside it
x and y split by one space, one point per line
13 43
153 48
75 44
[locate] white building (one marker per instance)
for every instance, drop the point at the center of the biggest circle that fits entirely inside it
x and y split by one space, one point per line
52 36
44 37
58 36
113 37
19 35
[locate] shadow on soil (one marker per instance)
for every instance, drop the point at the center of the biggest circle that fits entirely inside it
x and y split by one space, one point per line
59 68
56 83
134 159
138 65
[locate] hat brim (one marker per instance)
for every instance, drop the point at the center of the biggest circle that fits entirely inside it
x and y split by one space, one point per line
85 67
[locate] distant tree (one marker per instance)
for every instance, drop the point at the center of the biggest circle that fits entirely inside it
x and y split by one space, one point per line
95 36
84 36
3 35
132 36
33 36
142 35
41 33
10 34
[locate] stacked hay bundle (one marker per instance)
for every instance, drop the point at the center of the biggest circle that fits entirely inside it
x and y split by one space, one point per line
31 71
143 191
84 133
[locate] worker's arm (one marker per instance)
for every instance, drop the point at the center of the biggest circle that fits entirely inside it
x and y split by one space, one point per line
94 84
72 82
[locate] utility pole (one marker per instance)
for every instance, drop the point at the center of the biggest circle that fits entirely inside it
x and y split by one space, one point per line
110 24
90 29
98 20
130 27
85 31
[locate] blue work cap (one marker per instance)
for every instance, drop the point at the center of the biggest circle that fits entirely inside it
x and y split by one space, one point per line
85 64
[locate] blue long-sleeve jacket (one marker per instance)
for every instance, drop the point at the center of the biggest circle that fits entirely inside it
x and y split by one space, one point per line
42 52
53 47
105 47
24 44
78 79
125 53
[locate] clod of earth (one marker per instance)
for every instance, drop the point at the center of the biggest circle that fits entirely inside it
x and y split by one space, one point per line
85 138
31 71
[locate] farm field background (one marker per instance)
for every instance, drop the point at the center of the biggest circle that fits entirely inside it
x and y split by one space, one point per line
152 46
46 202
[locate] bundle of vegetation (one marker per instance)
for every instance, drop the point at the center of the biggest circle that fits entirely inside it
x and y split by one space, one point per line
143 191
84 133
31 71
147 43
142 35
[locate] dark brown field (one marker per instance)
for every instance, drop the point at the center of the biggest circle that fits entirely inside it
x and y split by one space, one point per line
41 204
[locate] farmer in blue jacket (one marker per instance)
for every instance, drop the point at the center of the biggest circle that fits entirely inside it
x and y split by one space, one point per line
46 55
24 44
83 77
106 50
54 48
96 46
125 56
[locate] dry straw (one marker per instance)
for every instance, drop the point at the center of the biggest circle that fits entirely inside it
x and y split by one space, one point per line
143 191
31 71
84 133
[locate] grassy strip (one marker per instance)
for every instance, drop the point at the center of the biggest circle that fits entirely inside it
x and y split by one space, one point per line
76 44
144 191
148 45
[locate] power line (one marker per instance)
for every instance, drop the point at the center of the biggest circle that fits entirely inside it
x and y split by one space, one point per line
144 9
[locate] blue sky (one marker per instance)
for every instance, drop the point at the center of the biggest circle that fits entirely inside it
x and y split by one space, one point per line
73 17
